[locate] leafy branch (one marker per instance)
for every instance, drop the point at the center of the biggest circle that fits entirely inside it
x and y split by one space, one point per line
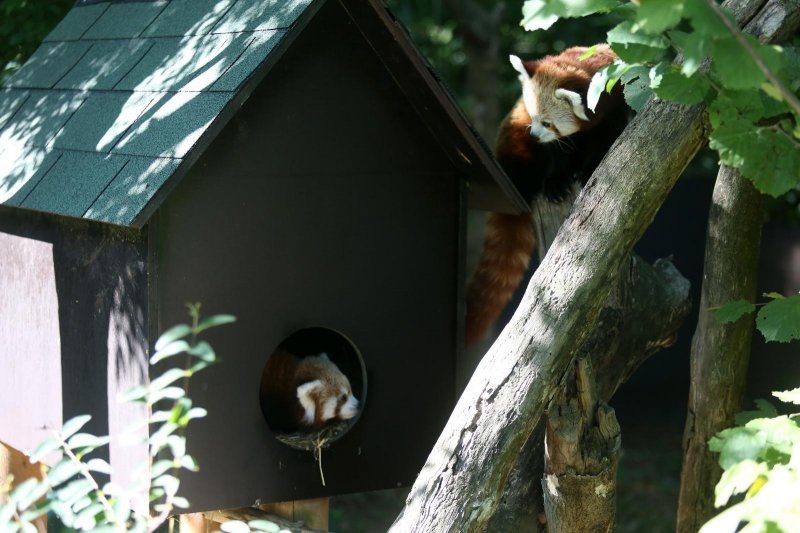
739 36
749 87
69 488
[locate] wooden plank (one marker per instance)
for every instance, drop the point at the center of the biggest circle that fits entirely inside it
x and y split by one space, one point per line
15 463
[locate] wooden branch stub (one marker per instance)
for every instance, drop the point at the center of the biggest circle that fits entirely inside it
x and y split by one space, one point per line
582 452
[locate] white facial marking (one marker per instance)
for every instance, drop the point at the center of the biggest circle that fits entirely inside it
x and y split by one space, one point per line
329 409
309 405
575 100
528 92
542 134
349 409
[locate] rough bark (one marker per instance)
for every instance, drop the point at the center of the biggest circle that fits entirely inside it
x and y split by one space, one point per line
582 453
641 316
720 352
461 484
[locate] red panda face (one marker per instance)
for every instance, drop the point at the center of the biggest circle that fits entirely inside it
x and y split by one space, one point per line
328 396
555 112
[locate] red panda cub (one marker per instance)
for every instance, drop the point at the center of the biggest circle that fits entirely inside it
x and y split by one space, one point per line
548 141
304 393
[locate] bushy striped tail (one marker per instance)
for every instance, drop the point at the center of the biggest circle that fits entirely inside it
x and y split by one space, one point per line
507 249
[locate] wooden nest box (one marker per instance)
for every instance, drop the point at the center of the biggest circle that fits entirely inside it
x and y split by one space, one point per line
294 163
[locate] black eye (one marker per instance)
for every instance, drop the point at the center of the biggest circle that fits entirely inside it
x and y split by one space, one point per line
547 124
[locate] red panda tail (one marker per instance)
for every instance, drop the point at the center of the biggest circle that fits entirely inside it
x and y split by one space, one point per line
507 249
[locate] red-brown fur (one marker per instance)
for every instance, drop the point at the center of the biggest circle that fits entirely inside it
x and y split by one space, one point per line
280 379
547 169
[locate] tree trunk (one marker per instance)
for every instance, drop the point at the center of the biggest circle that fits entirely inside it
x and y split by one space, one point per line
641 316
461 485
720 352
583 444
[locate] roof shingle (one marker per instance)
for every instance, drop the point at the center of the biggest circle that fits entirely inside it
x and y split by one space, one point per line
119 93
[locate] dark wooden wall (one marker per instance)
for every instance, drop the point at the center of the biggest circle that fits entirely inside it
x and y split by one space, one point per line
324 202
73 326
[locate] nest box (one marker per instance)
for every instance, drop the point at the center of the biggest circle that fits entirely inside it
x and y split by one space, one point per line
291 162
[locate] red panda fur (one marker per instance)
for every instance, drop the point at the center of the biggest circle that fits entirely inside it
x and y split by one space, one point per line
541 169
285 374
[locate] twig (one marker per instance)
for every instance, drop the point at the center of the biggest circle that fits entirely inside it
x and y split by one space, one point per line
790 98
101 497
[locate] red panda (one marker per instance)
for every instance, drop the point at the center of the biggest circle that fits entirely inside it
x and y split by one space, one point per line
304 393
549 140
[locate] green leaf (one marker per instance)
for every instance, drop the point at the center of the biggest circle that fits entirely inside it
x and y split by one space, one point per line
788 396
779 320
669 84
235 526
170 393
170 376
790 67
72 425
62 471
88 518
704 20
733 311
172 334
45 447
656 16
782 433
737 444
735 69
134 394
180 502
694 46
636 87
763 409
265 526
204 351
774 295
21 495
168 482
74 491
99 465
169 350
214 321
160 467
87 440
596 88
634 47
188 462
767 157
541 14
737 479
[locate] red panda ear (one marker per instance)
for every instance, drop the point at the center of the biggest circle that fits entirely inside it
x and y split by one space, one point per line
524 68
307 401
575 100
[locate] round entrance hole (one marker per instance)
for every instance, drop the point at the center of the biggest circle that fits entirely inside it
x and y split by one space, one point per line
313 388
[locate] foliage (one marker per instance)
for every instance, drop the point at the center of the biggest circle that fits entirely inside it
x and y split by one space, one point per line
761 457
76 489
778 320
761 460
750 88
23 25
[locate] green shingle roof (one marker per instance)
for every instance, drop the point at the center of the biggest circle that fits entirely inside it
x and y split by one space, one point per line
119 93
